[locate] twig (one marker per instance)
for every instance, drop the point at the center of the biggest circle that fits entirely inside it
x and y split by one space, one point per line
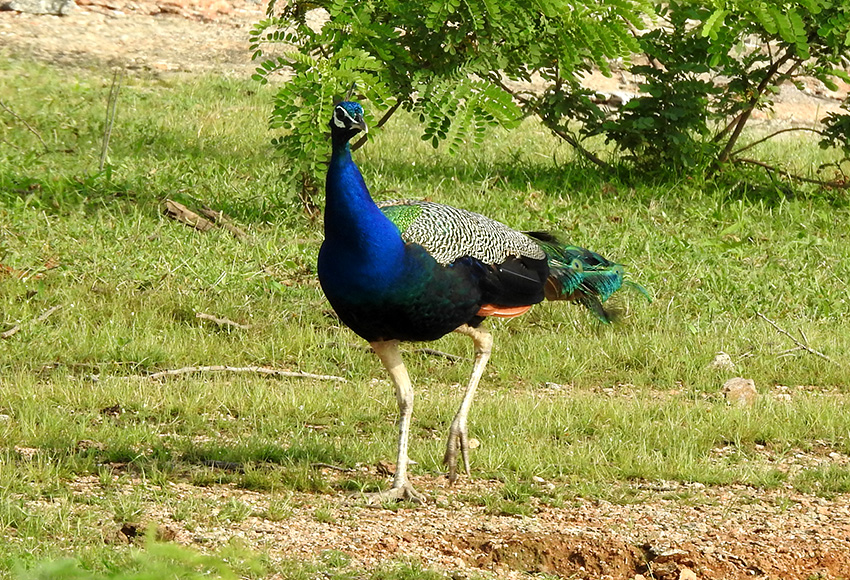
111 105
329 466
771 168
434 352
772 135
362 141
221 321
573 142
183 214
47 313
224 221
27 125
799 344
11 332
260 370
41 318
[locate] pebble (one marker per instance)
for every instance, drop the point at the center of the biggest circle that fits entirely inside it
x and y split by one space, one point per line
721 362
740 391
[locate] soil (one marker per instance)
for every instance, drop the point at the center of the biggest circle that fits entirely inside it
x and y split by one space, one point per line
722 532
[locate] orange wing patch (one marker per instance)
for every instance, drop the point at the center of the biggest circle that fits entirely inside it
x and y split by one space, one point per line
502 311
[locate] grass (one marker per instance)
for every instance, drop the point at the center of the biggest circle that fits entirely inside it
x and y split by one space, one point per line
633 402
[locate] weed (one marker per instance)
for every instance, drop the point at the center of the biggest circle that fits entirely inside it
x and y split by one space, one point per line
233 511
324 514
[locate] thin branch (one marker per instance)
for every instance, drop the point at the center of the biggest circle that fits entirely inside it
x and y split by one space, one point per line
835 184
47 313
41 318
572 141
751 105
362 141
222 220
111 105
27 125
774 134
799 344
221 321
330 466
434 352
259 370
11 332
181 213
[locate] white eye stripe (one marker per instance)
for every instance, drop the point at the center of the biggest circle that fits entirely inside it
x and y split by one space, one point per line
340 118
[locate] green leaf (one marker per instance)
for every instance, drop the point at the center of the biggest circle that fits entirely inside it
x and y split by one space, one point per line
714 22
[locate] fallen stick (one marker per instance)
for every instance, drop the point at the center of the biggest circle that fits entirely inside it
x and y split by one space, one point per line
183 214
47 313
41 318
224 221
11 332
435 352
260 370
221 321
799 344
329 466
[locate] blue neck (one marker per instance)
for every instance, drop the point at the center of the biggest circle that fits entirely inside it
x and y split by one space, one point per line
354 226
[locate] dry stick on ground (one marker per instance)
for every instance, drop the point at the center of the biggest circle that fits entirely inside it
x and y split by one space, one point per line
435 352
224 221
11 332
221 321
22 120
259 370
183 214
111 105
41 318
799 344
329 466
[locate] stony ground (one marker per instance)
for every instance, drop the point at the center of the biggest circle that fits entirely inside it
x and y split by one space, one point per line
716 533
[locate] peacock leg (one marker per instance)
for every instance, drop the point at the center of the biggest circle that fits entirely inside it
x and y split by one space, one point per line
457 431
401 489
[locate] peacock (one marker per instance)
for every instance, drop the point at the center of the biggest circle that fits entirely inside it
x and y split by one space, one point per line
417 270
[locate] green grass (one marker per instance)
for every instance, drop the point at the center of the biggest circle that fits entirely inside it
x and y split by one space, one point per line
636 402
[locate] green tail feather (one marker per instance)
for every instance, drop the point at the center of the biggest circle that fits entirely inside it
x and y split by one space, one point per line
582 276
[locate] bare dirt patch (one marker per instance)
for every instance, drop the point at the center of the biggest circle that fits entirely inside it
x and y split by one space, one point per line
716 533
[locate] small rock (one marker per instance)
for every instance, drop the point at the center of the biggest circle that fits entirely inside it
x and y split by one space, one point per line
721 362
687 574
5 418
474 443
57 7
740 391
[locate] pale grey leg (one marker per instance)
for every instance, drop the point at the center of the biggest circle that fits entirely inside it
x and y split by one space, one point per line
391 357
457 431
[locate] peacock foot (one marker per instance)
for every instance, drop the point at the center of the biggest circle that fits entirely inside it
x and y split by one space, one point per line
405 492
458 441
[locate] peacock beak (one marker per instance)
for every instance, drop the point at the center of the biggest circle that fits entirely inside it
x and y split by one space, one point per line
359 123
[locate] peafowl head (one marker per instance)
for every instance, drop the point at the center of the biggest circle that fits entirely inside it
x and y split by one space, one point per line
347 121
